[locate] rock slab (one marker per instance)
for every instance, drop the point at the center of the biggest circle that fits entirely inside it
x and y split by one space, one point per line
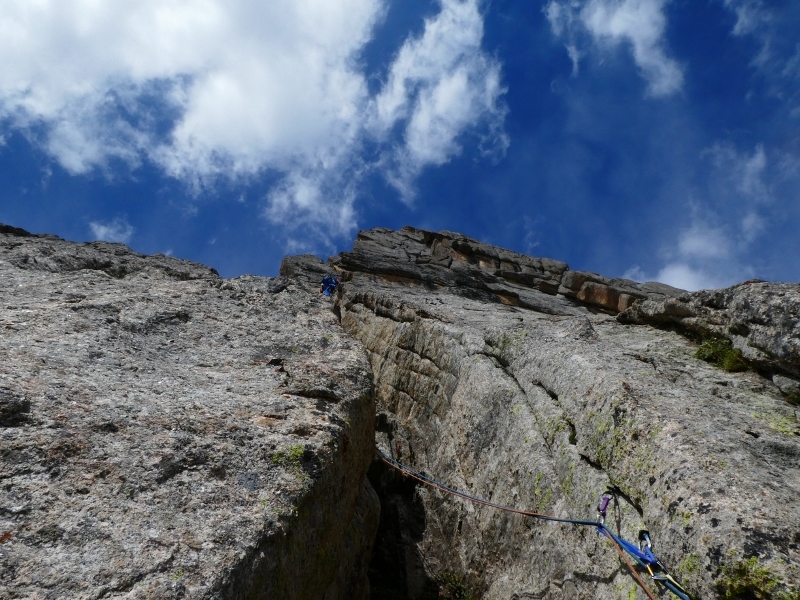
165 433
452 260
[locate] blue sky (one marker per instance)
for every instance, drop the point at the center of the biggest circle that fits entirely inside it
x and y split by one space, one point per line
652 139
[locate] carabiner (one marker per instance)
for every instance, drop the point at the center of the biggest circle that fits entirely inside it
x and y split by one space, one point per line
602 508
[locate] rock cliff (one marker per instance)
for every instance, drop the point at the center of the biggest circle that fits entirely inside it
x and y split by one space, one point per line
512 379
165 433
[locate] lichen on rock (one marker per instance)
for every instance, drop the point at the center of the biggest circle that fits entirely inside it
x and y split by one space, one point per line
165 433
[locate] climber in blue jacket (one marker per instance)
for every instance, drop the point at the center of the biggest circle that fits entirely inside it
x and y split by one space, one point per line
329 285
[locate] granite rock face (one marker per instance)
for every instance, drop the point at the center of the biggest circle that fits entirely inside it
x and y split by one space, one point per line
165 433
496 375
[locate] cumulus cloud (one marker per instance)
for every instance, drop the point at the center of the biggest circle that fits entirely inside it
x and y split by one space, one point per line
687 277
235 89
679 275
638 23
700 241
318 204
248 83
439 83
705 256
118 230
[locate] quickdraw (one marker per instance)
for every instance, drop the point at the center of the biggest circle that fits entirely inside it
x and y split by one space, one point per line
643 554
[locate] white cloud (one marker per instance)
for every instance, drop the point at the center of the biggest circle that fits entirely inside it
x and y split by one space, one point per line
752 183
750 15
746 190
84 135
792 67
438 84
118 230
788 166
682 276
701 258
708 253
714 248
773 26
638 23
636 273
702 242
250 82
561 16
532 228
686 277
213 89
575 56
752 226
308 201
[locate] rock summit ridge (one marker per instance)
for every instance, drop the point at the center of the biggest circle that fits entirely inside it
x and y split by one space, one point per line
448 259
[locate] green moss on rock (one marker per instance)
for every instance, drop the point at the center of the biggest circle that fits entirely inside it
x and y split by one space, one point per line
720 352
452 586
750 580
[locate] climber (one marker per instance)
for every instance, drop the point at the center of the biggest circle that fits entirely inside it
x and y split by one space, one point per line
329 285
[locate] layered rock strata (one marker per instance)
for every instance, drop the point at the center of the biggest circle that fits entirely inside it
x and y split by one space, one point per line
458 262
165 433
495 376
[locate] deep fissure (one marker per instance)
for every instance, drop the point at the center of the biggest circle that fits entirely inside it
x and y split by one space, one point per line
397 570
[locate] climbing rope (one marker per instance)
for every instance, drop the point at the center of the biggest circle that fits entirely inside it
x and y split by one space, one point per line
643 557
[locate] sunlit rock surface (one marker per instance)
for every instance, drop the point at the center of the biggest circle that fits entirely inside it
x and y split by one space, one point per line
165 433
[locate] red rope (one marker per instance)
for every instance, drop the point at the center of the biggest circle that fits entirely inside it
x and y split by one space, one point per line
633 571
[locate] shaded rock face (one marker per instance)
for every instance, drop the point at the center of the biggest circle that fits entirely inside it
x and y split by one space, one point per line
495 374
165 433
